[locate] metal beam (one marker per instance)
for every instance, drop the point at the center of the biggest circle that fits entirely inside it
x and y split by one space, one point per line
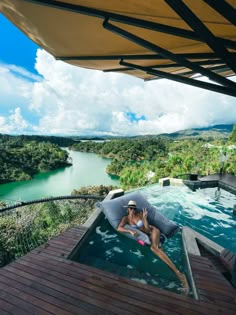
172 65
224 8
202 31
178 78
142 57
200 63
216 69
118 70
126 20
169 55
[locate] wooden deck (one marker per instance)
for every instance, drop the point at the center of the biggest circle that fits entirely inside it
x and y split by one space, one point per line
45 282
224 181
227 179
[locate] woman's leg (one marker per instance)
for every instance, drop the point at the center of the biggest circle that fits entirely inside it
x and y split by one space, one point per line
155 239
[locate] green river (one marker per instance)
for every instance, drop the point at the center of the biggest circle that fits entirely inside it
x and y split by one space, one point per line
88 169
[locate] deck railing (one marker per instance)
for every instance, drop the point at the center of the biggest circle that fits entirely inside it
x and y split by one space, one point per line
25 226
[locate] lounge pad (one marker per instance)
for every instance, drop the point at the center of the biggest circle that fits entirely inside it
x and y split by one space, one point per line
116 208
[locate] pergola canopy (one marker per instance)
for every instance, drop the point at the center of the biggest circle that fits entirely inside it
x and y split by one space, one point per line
150 39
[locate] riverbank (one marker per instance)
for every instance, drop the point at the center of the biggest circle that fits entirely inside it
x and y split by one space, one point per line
21 159
88 169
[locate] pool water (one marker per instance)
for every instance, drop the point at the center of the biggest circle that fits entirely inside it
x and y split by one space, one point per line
200 210
111 251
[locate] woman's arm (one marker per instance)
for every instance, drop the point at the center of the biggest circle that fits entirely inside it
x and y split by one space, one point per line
146 227
121 228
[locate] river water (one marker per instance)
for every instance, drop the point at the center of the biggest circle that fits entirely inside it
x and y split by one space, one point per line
88 169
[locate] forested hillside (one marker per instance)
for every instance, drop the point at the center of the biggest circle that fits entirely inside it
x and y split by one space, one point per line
20 159
139 161
20 139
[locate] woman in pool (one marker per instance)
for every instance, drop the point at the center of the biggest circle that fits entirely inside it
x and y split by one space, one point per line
138 219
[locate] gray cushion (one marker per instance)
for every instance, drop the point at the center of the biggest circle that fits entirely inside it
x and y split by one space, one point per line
140 235
116 208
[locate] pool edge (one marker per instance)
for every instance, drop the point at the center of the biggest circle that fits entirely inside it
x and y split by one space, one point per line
92 221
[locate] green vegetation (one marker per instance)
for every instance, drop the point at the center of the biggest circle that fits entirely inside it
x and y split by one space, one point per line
20 158
133 159
138 161
61 141
100 190
27 227
232 137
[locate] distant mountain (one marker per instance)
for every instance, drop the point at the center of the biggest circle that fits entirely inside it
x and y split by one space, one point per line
213 132
217 131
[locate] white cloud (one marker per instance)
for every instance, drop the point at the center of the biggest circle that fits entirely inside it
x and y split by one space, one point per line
14 124
21 72
71 100
17 120
14 89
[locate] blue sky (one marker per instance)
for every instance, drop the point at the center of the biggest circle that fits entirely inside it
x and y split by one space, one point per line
16 47
39 95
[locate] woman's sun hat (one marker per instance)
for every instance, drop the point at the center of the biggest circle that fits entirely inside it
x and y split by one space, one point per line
132 204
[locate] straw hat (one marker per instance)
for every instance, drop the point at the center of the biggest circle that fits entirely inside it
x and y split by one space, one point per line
132 204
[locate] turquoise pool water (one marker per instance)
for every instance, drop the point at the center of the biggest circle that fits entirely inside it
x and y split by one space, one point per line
199 210
108 250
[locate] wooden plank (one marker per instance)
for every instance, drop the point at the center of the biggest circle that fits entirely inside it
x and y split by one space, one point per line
203 273
53 251
214 276
73 235
207 262
74 268
117 302
224 286
44 280
214 282
73 305
64 240
228 307
77 229
20 300
211 274
216 309
3 312
37 298
117 282
209 268
219 292
82 293
100 273
68 237
62 244
228 258
154 299
57 248
8 308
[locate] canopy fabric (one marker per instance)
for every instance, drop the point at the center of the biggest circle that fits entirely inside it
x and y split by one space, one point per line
148 39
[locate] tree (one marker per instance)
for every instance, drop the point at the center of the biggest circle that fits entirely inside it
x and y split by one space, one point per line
232 137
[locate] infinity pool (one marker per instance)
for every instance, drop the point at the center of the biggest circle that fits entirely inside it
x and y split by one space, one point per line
108 250
199 210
